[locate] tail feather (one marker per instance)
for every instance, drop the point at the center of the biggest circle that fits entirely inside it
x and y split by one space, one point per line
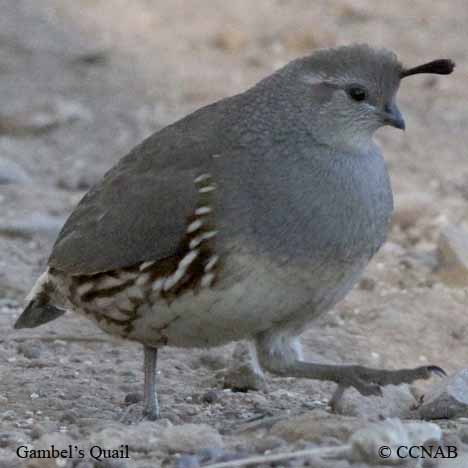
39 309
37 314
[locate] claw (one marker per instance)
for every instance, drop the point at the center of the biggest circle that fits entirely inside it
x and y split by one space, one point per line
437 371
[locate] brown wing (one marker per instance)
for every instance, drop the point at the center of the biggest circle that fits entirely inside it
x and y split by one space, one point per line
139 210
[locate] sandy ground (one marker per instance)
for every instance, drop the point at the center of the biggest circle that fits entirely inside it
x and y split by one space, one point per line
83 81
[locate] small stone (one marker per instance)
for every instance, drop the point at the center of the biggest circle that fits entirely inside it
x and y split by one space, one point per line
92 58
9 439
230 40
190 437
210 396
35 224
210 454
410 208
213 360
187 461
84 464
300 41
79 177
133 398
367 443
12 173
448 399
8 415
453 256
317 426
29 350
43 118
110 464
397 401
367 284
461 461
69 417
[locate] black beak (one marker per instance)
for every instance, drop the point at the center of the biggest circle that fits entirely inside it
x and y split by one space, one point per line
392 116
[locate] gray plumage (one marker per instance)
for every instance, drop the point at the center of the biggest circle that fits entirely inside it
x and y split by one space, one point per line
300 201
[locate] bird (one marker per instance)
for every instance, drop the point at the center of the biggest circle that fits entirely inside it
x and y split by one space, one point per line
245 220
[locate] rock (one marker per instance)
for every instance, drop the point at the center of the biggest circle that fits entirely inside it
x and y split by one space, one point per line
210 454
300 41
397 401
79 177
410 208
378 443
210 396
9 460
35 224
58 439
29 350
43 118
316 426
138 437
110 464
12 173
187 461
367 284
244 372
92 58
10 439
213 360
461 461
230 40
448 399
190 438
133 397
453 256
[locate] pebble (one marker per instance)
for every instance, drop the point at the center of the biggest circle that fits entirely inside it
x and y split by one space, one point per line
133 398
12 173
190 438
366 443
397 401
32 225
367 284
110 464
213 361
9 439
43 118
210 454
316 426
210 396
187 461
230 40
448 399
453 256
29 350
410 208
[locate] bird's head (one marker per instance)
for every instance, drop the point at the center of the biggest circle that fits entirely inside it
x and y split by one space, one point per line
347 93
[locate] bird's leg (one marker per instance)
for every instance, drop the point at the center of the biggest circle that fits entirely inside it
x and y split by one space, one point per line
281 355
151 410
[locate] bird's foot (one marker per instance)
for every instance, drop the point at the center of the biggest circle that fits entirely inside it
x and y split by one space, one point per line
368 381
137 412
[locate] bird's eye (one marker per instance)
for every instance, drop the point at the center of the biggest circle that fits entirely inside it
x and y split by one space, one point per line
357 93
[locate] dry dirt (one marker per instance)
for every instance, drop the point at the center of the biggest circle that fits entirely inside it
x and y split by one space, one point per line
83 81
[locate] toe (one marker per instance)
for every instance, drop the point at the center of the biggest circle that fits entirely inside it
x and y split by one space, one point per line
437 371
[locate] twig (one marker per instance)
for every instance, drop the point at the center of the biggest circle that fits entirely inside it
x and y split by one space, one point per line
323 451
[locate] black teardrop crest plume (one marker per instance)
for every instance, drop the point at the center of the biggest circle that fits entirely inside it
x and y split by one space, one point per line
439 67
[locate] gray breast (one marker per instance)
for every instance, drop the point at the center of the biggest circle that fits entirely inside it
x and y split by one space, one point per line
296 206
